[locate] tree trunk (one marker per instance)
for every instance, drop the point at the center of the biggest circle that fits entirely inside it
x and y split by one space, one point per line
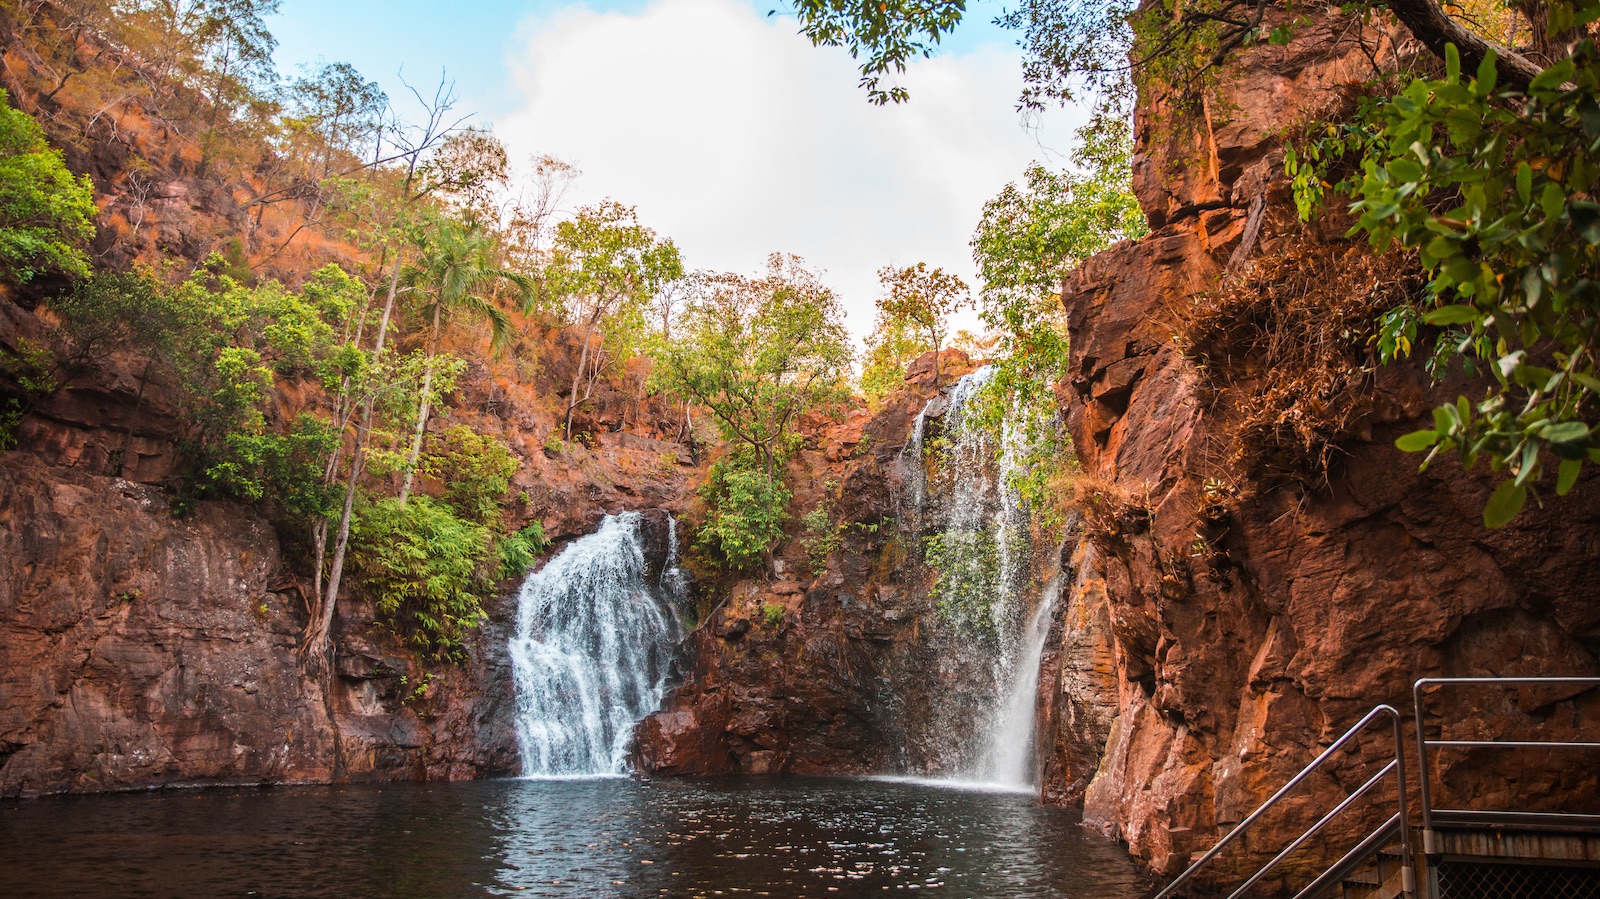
314 647
423 407
577 379
1431 25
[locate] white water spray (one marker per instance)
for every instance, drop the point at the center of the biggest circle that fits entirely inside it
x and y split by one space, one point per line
980 534
592 650
1008 757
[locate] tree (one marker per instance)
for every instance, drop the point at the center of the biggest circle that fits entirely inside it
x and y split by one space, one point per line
891 347
924 300
468 172
338 109
46 214
757 353
1094 46
1031 235
604 267
1492 185
456 274
414 147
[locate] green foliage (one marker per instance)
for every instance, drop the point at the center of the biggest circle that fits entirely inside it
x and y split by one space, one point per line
26 377
476 470
887 34
288 467
758 353
605 267
1028 238
425 569
745 514
968 583
457 272
518 550
821 538
46 215
772 613
891 347
921 300
1493 188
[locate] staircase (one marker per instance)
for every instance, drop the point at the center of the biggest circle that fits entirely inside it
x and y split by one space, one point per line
1441 853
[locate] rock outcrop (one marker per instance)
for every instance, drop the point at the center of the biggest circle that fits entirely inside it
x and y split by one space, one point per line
1225 623
142 647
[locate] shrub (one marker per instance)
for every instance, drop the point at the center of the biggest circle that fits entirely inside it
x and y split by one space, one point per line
476 470
424 568
821 538
46 215
746 514
518 550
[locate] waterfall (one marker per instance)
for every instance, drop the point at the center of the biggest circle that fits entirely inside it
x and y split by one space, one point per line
977 533
593 646
1008 757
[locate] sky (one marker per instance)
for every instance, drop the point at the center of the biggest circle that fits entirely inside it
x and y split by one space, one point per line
729 131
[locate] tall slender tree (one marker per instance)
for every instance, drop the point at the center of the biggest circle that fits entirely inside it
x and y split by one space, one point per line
604 266
456 273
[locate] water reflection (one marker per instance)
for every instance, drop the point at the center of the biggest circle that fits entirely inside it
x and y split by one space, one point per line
614 837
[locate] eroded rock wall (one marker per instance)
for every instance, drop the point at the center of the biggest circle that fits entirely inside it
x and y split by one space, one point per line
142 645
1212 649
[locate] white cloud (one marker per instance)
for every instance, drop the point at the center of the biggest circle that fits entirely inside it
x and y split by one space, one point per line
737 138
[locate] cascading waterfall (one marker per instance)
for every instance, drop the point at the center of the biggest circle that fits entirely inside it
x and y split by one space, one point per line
979 536
592 651
1008 756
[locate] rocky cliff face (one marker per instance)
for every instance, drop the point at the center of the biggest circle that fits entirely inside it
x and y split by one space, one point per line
1226 620
1229 609
140 647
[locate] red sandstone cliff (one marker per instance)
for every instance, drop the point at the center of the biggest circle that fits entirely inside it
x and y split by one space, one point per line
1228 618
140 648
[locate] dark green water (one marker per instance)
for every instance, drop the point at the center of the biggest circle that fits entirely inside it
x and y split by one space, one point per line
798 837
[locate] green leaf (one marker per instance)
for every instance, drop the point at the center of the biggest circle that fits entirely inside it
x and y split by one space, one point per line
1566 432
1406 169
1552 78
1487 74
1417 441
1567 476
1553 201
1452 315
1589 382
1525 181
1504 504
1452 63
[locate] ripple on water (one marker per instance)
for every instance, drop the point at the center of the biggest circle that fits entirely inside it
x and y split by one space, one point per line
794 837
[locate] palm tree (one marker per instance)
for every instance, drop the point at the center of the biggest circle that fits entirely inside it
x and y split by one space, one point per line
456 273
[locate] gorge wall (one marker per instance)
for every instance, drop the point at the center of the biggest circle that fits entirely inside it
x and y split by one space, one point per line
142 646
1228 619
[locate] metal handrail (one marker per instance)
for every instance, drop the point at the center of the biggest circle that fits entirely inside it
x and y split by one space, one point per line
1352 859
1430 839
1397 767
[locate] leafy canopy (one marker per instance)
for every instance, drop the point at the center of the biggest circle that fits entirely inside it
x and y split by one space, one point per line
1493 187
922 300
757 353
46 214
1029 237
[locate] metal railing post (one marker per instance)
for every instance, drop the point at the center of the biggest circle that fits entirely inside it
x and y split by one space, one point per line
1408 862
1430 840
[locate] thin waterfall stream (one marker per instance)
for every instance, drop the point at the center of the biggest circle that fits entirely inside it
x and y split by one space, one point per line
593 648
993 611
